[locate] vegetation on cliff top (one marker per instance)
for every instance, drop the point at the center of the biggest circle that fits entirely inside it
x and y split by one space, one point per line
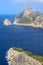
39 58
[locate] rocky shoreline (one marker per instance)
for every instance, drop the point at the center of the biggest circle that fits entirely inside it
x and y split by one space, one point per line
17 56
32 25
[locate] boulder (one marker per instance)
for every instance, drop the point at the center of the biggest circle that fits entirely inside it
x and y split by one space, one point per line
7 22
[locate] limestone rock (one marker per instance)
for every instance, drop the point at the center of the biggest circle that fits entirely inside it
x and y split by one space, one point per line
20 58
7 22
29 17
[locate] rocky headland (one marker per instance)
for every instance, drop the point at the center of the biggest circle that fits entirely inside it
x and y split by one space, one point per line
17 56
29 17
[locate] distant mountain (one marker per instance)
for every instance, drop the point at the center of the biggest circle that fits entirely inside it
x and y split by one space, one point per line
29 17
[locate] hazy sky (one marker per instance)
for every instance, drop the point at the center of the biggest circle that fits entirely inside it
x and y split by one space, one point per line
17 6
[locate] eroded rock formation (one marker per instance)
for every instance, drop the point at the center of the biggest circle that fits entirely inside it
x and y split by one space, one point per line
20 58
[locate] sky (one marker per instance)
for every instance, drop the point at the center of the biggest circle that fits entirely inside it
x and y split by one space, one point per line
14 7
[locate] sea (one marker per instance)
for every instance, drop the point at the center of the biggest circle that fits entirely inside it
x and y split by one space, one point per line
28 38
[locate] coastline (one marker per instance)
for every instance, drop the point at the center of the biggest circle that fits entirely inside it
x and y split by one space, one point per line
32 25
15 52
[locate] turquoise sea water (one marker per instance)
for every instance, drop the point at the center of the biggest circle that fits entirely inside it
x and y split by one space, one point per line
28 38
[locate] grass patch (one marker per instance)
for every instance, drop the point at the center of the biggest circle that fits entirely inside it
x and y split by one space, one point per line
40 58
18 49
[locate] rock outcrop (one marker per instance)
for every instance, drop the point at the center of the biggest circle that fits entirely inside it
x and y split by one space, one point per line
7 22
29 17
15 57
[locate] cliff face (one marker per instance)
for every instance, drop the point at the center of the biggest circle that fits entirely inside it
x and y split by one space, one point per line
20 58
29 17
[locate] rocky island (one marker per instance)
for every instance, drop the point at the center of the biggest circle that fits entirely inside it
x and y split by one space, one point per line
7 22
17 56
29 17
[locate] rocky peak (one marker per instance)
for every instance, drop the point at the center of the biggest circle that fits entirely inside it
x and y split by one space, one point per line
27 10
30 17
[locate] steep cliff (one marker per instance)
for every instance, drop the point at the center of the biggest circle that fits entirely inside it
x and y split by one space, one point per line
29 17
15 57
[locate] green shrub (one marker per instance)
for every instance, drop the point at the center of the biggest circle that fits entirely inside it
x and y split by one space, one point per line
42 63
24 20
29 53
18 49
40 58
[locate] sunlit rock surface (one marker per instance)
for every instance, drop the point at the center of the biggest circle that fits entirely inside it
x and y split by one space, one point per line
7 22
20 58
29 17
